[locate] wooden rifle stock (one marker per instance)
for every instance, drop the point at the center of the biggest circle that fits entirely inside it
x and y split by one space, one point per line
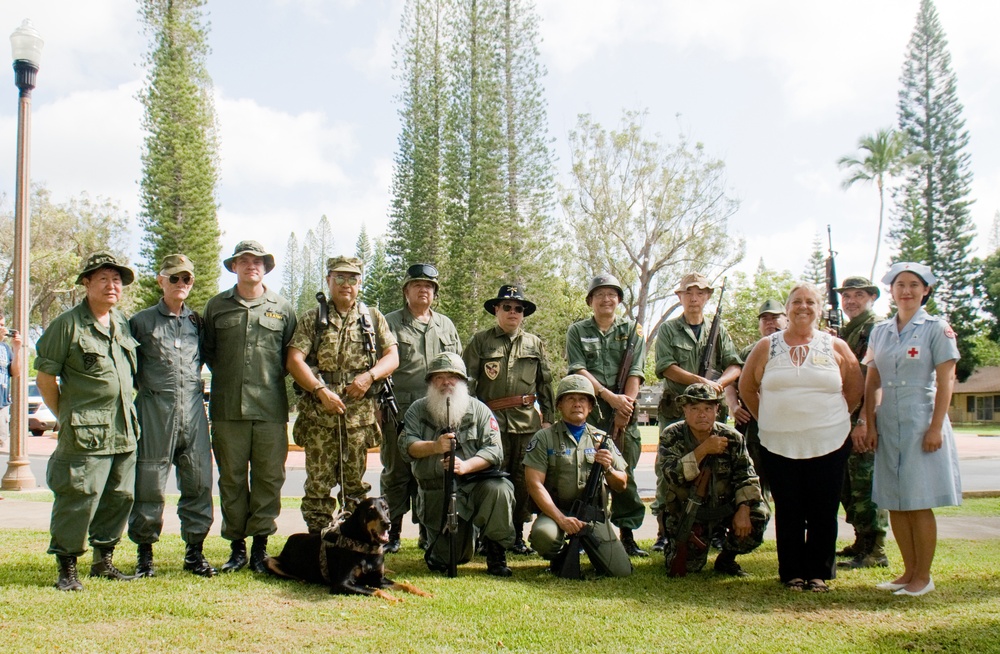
705 365
586 509
620 380
677 566
449 521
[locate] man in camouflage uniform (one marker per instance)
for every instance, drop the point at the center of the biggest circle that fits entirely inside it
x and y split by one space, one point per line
679 346
337 411
595 348
485 497
86 360
857 295
422 334
171 407
557 466
509 372
733 500
247 331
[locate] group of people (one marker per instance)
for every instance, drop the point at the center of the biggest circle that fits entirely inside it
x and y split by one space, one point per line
488 410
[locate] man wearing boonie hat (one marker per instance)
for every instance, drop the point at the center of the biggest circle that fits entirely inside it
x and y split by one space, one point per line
337 414
733 502
86 359
247 331
422 334
508 371
171 407
857 295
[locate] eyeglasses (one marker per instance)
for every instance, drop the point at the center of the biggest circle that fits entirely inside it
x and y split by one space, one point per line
424 270
604 295
352 280
187 279
516 308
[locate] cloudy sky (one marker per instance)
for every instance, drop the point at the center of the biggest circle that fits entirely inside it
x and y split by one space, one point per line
305 96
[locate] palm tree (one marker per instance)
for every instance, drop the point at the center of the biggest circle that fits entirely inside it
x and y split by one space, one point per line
885 155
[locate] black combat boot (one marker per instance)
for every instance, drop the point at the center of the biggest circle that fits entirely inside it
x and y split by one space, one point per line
144 561
258 552
395 533
195 561
496 559
238 559
520 547
661 533
631 548
422 536
68 579
726 564
103 566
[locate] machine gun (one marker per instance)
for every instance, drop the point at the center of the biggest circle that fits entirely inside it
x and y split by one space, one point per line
449 518
620 380
676 559
705 365
382 390
833 319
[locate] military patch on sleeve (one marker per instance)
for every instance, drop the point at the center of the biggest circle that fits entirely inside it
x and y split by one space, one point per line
492 369
638 330
531 445
494 425
948 331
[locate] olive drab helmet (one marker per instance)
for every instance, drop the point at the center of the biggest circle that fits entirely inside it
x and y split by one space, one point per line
446 362
422 271
575 384
602 280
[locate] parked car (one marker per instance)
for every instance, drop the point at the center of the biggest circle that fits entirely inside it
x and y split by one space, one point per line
40 418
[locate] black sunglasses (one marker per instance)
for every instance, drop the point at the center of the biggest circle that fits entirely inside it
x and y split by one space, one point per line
516 308
425 270
180 278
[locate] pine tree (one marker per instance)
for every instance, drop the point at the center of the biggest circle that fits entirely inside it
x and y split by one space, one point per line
380 289
815 271
291 272
934 225
363 247
180 153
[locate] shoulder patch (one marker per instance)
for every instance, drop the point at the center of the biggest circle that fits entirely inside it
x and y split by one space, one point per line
494 425
638 330
531 445
948 331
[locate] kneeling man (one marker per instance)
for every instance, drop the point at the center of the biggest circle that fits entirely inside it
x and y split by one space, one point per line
732 500
485 496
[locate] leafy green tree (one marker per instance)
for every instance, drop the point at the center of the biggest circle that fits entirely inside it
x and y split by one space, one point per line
745 296
934 222
180 152
885 155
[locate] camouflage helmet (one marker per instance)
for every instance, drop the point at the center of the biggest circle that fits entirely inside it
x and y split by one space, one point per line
575 384
602 280
446 362
423 271
700 392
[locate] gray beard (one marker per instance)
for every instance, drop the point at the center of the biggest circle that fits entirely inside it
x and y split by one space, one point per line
437 407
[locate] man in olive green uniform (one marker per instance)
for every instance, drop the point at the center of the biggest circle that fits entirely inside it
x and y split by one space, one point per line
857 295
449 417
171 407
557 466
733 499
85 363
679 346
422 334
595 348
247 330
509 372
337 414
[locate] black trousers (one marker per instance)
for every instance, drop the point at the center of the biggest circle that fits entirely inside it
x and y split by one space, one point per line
806 496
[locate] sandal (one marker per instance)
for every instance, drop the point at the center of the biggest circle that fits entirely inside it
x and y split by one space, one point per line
795 584
818 586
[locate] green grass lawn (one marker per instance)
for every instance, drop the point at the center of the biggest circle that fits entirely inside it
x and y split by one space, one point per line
531 611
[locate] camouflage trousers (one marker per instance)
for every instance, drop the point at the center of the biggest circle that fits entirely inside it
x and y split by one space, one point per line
323 467
698 556
856 495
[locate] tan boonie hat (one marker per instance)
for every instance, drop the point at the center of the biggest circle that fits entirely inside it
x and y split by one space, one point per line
859 283
100 260
699 392
174 264
575 384
446 362
771 306
250 247
696 280
344 265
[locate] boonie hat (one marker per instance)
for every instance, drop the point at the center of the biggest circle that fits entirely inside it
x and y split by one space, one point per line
859 283
771 306
605 280
424 271
446 362
700 392
174 264
509 292
696 280
918 269
344 265
100 260
250 247
575 384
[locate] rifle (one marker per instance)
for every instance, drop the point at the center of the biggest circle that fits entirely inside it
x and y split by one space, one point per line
385 397
620 380
833 320
705 365
449 518
322 324
676 560
586 508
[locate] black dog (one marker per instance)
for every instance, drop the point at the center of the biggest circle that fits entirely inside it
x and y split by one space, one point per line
347 556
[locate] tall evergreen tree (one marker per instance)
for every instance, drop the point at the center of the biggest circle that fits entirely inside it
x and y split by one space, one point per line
291 271
180 153
380 289
815 271
363 246
934 225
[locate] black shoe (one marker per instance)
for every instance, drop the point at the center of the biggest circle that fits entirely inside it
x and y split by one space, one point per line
522 548
195 561
631 548
103 566
238 559
661 534
496 559
68 579
660 544
726 564
144 561
258 552
395 532
433 565
422 537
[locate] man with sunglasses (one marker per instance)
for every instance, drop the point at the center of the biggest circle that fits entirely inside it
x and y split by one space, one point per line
422 334
171 407
509 372
337 412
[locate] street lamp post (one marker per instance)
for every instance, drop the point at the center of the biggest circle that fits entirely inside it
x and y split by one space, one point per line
26 46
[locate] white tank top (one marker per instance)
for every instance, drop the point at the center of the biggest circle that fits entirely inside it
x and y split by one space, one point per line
803 413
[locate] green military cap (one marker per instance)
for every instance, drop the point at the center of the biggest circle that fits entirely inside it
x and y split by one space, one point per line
250 247
174 264
771 306
424 271
859 283
446 362
605 280
344 265
694 280
700 392
100 260
575 384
